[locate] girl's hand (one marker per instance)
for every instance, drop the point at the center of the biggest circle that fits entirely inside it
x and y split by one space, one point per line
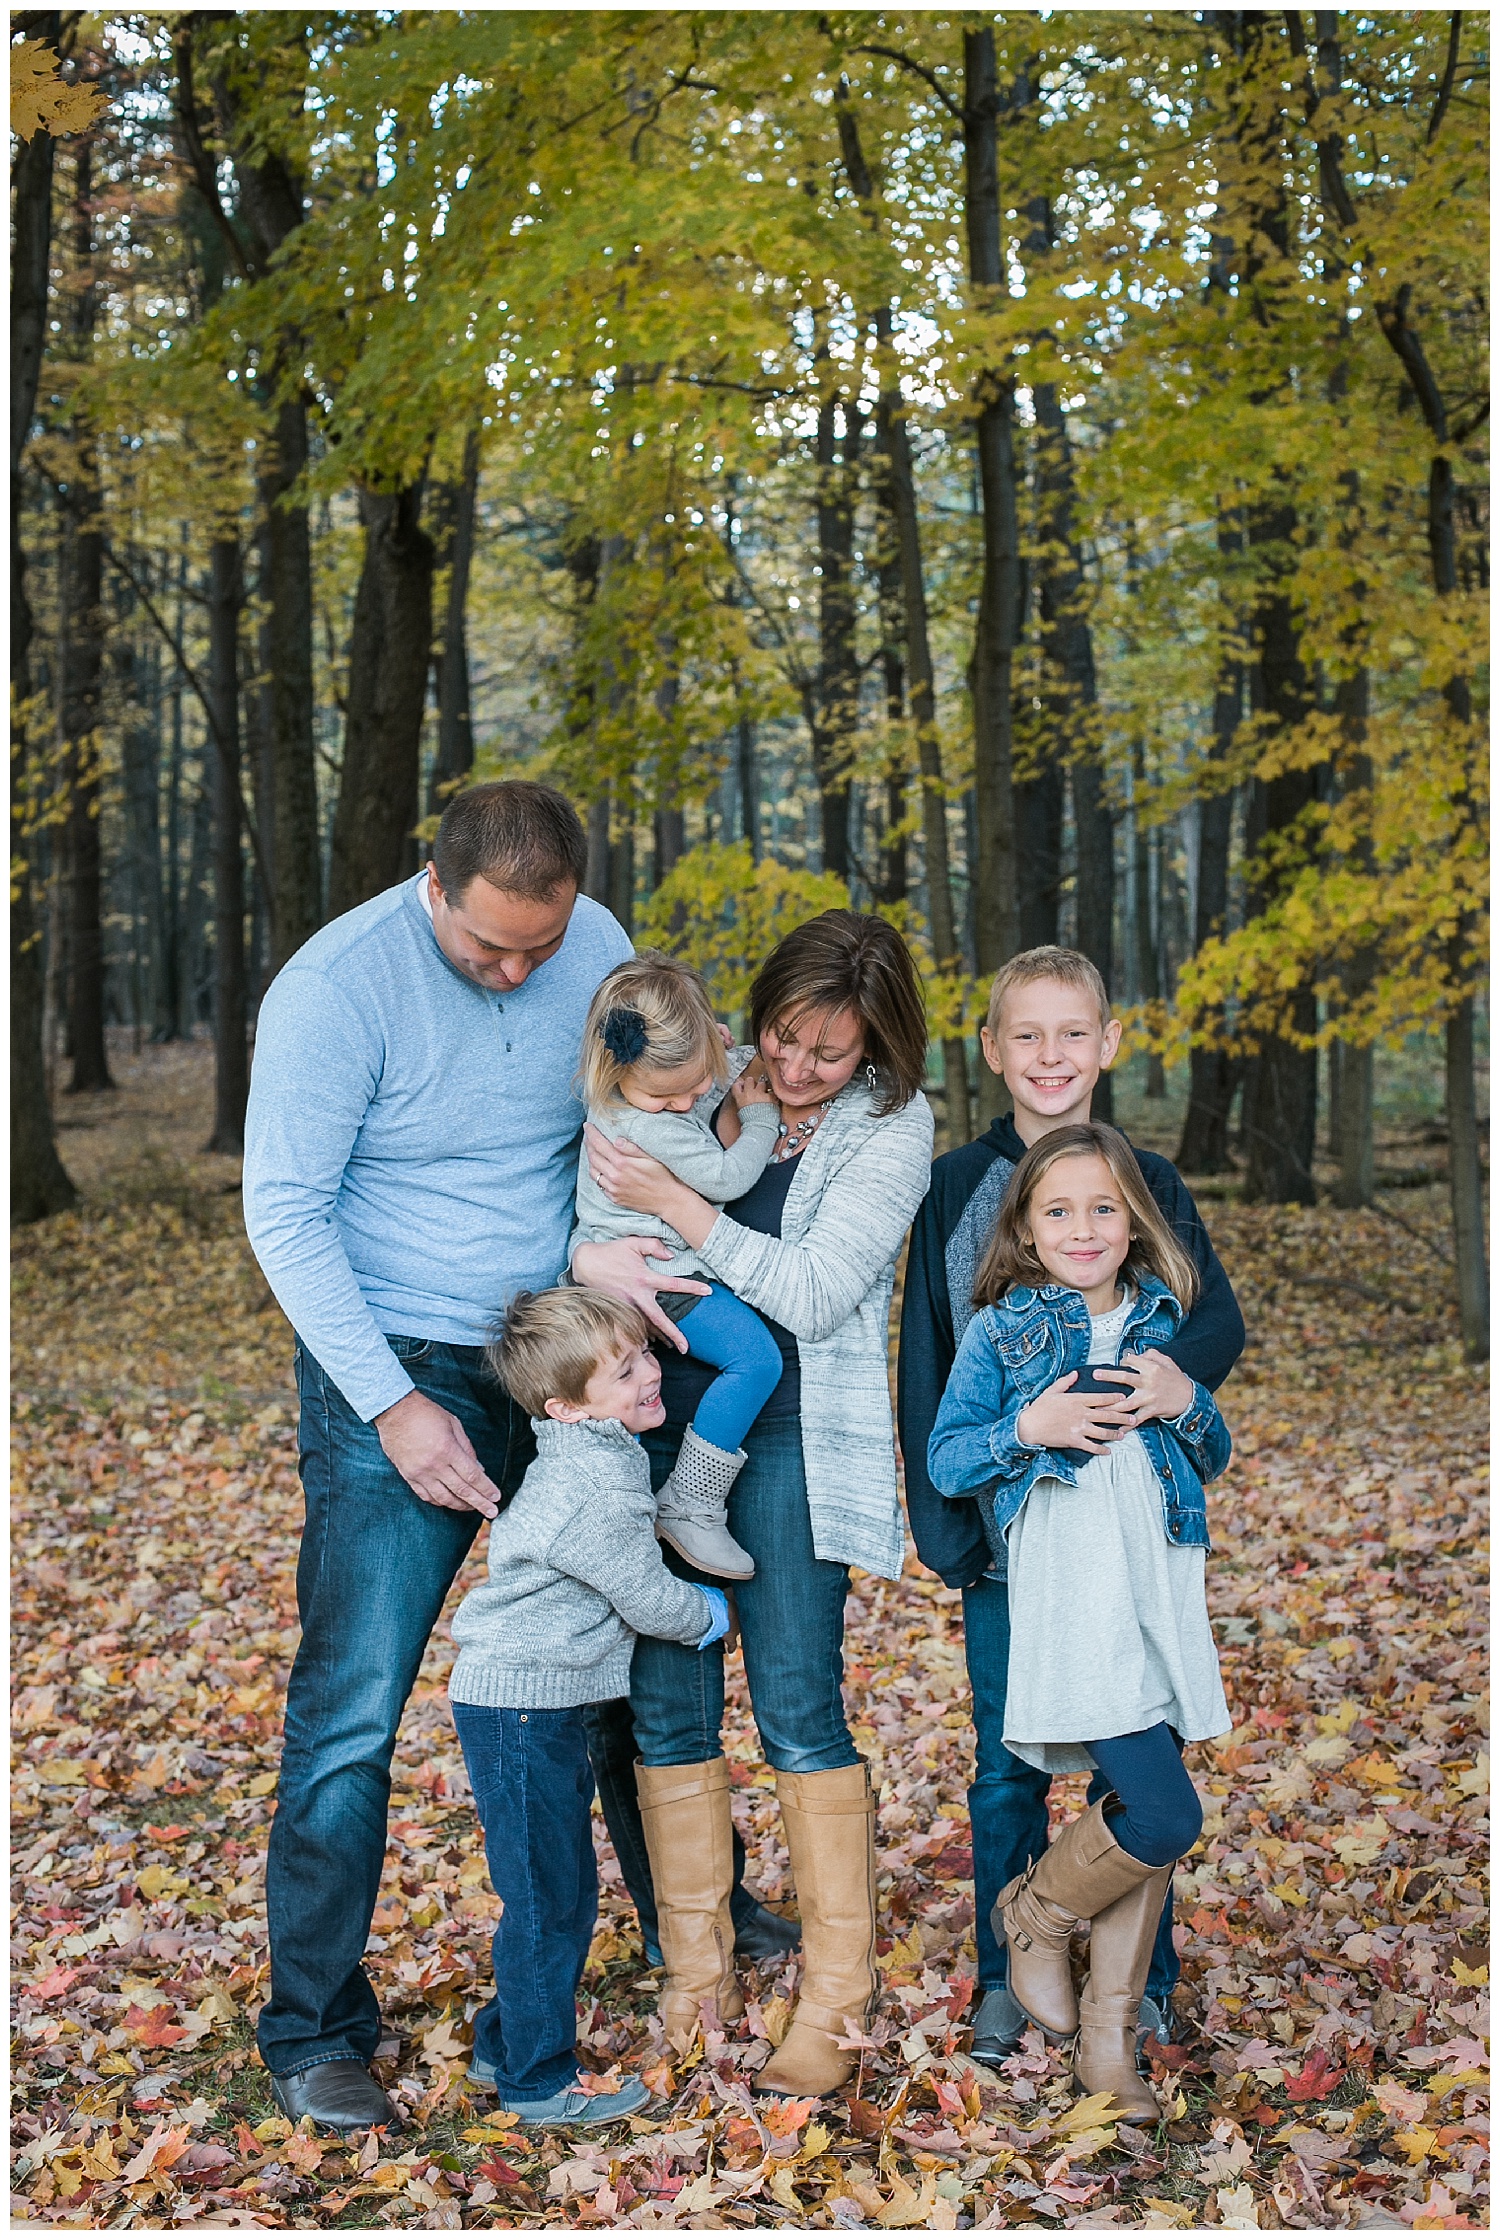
752 1086
1060 1417
1153 1386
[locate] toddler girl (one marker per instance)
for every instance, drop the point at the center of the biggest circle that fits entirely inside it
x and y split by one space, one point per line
654 1070
1101 1527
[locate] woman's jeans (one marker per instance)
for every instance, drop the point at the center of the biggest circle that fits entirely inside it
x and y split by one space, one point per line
1008 1798
374 1569
791 1626
533 1791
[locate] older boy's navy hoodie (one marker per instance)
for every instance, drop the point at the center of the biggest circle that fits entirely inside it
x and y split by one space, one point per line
953 1226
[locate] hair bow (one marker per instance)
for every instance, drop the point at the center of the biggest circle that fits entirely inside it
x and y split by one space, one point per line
623 1033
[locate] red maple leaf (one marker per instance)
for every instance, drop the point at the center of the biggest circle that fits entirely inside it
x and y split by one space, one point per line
153 2027
499 2173
53 1986
1316 2079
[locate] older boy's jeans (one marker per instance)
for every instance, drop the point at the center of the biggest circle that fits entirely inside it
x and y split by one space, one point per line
1008 1799
533 1791
373 1571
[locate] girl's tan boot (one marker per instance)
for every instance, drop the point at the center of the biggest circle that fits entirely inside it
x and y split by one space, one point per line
1075 1879
690 1841
1120 1942
830 1833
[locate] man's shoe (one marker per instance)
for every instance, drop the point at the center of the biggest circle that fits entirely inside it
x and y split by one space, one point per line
764 1935
338 2095
1154 2025
999 2025
570 2108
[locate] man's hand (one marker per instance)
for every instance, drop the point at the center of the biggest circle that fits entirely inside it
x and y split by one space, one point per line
1061 1417
1154 1386
431 1450
632 1269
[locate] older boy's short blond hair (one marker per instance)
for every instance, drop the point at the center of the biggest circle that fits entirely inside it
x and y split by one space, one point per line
551 1342
1069 966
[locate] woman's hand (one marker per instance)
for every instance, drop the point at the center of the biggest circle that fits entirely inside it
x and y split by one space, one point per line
630 1177
752 1086
1152 1386
1061 1417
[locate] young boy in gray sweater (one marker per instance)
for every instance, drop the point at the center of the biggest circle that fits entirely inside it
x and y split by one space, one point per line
575 1572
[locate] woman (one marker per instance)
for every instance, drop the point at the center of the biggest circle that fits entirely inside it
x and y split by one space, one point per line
836 1015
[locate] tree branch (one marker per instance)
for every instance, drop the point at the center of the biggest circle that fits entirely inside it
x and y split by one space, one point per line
1445 90
1403 339
204 176
918 70
247 821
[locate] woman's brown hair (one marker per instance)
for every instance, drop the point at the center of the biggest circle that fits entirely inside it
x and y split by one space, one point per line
844 961
1154 1250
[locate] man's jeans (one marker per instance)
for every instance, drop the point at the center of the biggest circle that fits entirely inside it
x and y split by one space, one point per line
533 1792
374 1569
791 1627
1008 1799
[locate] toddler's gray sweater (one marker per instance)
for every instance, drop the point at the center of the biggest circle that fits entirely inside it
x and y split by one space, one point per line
576 1572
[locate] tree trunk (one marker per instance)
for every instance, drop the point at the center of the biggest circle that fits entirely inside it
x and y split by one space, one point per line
1204 1148
82 601
744 740
271 206
455 552
231 1057
39 1183
892 876
994 873
259 743
1466 1183
835 720
1281 1118
390 649
621 883
297 908
902 484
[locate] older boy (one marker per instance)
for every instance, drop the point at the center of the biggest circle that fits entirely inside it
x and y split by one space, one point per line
1049 1034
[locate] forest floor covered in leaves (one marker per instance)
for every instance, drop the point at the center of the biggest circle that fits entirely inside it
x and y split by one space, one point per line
1332 2006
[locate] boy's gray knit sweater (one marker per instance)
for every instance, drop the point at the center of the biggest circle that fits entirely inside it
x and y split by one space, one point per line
576 1573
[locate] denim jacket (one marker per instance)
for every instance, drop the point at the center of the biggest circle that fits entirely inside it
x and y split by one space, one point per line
1012 1352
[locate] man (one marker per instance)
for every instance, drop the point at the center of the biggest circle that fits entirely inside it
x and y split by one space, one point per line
410 1158
1050 1035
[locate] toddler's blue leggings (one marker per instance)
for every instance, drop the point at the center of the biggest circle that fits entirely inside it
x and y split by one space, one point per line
731 1338
1162 1818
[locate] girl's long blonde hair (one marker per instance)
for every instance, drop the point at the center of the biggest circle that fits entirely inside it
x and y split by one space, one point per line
1154 1249
651 1013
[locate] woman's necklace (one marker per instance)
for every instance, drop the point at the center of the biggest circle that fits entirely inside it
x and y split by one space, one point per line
789 1141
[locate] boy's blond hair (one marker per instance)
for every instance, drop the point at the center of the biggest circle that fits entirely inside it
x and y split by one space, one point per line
1069 966
551 1342
651 1014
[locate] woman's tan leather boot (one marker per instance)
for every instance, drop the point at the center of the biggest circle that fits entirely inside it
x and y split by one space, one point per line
1074 1880
830 1833
690 1841
1120 1942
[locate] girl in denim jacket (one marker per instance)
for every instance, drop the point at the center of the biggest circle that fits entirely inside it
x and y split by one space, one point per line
1098 1519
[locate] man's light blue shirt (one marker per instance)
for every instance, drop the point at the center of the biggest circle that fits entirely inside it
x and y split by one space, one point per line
411 1144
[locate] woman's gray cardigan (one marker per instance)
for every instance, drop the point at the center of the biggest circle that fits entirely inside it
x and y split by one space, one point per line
828 1278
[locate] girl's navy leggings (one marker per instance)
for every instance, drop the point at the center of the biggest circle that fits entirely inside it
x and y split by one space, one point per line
1162 1818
